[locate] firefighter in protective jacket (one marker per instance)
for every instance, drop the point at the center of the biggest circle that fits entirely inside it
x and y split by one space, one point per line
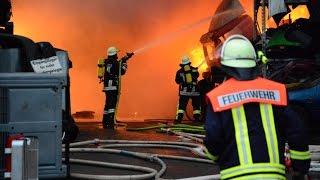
110 71
187 78
248 121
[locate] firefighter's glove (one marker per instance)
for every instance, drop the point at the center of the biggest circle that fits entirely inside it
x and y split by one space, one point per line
262 57
101 80
129 55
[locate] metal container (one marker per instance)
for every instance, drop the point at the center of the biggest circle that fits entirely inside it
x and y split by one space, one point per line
33 105
10 60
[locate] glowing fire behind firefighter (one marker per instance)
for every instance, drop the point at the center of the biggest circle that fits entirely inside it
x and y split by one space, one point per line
86 28
299 12
198 59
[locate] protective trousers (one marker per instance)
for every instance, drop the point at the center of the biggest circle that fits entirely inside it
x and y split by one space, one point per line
183 102
110 109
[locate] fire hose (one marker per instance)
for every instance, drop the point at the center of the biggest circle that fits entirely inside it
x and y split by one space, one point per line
149 172
187 130
194 137
181 126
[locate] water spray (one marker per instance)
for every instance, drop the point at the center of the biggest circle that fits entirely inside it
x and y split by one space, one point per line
183 29
172 35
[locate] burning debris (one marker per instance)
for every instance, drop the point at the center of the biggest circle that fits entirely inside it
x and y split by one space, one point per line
84 115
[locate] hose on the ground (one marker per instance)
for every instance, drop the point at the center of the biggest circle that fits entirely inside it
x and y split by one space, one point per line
146 128
187 130
193 147
145 156
165 126
210 177
186 158
150 172
99 141
155 146
193 135
186 135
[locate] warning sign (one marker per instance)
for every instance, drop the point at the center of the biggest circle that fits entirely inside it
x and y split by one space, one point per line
49 65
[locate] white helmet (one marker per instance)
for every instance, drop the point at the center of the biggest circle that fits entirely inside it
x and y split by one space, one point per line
238 52
112 51
185 60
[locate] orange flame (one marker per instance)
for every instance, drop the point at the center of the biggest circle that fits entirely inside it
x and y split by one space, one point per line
299 12
198 59
86 29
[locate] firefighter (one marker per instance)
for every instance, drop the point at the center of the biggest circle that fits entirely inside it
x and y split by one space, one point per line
248 121
210 80
205 85
187 78
110 71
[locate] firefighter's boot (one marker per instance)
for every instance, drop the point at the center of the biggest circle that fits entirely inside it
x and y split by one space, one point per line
108 121
178 118
197 117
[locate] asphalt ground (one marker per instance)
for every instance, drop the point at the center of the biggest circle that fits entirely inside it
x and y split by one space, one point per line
175 168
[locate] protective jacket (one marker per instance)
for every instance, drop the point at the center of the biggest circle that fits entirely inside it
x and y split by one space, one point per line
247 126
187 78
111 70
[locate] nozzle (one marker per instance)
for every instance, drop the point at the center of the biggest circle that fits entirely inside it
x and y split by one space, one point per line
130 54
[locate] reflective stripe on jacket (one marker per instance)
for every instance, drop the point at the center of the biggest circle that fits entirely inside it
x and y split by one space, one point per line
112 72
187 78
248 139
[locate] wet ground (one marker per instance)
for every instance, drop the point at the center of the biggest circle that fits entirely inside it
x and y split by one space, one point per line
175 168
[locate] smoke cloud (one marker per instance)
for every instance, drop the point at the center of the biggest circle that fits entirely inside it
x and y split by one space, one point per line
86 28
